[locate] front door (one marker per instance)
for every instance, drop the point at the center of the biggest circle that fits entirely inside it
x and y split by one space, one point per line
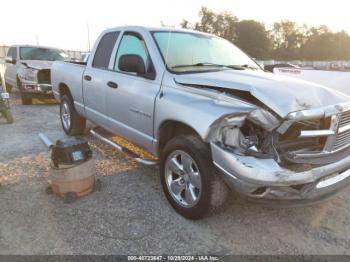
130 98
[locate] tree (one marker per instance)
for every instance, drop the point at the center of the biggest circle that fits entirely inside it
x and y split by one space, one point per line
253 38
322 44
221 24
285 41
185 24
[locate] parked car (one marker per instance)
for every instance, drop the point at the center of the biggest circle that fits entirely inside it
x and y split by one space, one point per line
209 114
270 68
28 69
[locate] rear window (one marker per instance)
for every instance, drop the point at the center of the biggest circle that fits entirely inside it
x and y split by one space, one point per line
104 50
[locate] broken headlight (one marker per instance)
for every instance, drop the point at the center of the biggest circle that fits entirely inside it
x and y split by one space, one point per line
264 119
250 135
29 74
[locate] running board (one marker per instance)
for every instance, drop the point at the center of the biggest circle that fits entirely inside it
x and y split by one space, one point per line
124 150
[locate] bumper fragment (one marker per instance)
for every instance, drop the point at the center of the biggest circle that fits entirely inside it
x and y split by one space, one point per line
264 179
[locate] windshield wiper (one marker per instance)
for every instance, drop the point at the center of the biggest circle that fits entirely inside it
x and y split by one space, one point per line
235 67
242 67
198 64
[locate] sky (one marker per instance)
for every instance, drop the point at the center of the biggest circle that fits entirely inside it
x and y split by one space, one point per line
64 23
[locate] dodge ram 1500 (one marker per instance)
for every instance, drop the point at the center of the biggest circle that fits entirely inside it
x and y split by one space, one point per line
211 116
28 69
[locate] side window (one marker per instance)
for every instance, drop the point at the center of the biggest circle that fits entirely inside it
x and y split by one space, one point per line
104 50
131 44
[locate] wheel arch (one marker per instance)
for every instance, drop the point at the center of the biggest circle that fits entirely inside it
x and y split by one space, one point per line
63 89
172 128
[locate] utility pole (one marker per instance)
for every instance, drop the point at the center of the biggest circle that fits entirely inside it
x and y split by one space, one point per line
88 34
37 39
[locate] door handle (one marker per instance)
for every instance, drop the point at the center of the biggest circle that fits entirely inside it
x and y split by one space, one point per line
112 84
87 77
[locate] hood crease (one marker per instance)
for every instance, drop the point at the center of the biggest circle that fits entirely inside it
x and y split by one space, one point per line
281 94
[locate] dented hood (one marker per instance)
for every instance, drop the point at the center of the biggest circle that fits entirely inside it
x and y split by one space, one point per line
281 94
37 64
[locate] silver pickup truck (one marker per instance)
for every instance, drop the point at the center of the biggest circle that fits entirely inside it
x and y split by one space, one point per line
209 114
28 68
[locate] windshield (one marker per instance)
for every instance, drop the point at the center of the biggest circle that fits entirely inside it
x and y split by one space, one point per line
186 51
39 53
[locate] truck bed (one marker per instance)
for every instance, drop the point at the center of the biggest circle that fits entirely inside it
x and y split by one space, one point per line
70 73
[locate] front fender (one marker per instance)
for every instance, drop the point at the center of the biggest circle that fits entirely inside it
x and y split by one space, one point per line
196 108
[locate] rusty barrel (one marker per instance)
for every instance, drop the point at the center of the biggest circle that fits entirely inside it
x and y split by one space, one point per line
78 179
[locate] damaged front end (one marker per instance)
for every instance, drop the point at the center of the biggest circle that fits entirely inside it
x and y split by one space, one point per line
34 80
301 158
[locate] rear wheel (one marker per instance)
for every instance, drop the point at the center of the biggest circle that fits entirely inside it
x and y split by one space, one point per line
26 100
72 123
189 178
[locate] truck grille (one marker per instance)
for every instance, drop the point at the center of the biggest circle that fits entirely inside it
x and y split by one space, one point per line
44 76
342 139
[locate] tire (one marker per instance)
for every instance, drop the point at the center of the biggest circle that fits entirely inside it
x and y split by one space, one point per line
205 192
26 100
8 88
9 116
72 123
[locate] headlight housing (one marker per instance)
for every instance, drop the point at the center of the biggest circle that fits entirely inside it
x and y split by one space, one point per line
29 74
264 119
247 133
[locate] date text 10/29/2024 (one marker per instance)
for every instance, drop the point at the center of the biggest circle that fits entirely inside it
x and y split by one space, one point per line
174 258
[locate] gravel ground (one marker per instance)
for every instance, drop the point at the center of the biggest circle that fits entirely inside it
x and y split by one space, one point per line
131 215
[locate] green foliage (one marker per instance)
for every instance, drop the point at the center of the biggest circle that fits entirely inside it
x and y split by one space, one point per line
285 41
253 38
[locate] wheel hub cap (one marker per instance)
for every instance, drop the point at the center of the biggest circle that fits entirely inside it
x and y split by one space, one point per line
65 115
183 178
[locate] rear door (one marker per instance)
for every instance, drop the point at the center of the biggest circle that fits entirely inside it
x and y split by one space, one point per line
10 72
95 79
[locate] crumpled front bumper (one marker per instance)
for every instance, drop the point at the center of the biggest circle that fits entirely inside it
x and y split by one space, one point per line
35 87
264 180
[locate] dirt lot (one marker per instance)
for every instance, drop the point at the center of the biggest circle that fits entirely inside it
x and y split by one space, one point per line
131 215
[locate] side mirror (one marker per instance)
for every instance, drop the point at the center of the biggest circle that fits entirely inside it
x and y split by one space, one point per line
10 60
134 64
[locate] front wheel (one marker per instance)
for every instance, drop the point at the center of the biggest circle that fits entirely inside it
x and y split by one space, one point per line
189 178
9 116
26 100
72 123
